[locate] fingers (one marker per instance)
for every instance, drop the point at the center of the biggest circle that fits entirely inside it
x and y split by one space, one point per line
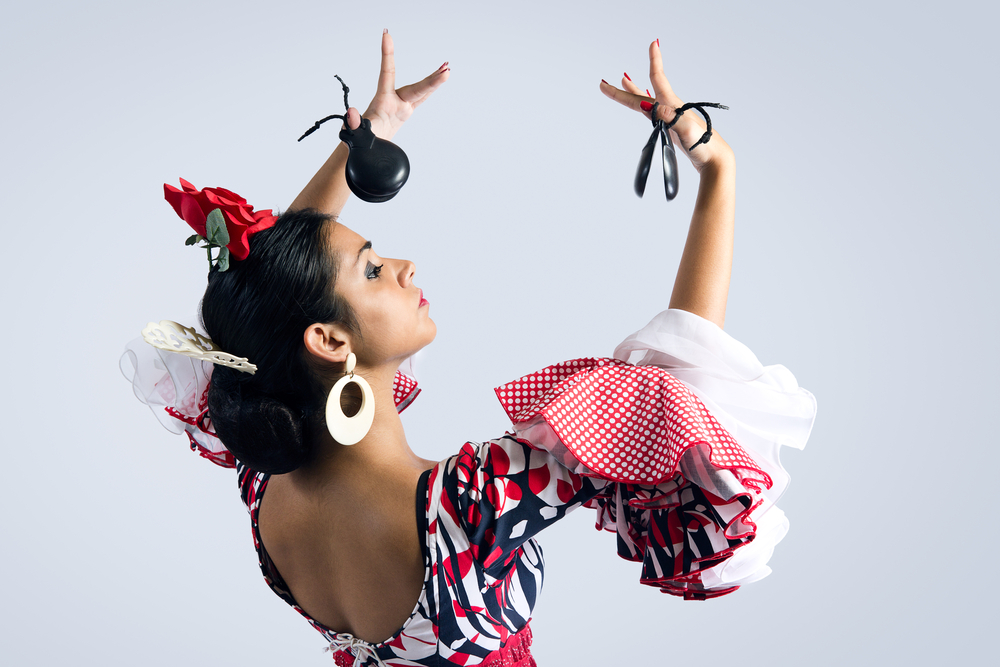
387 74
416 93
634 99
664 93
630 86
623 97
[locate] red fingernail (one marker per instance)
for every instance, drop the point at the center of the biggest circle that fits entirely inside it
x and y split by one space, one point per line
649 94
627 76
657 42
645 106
605 82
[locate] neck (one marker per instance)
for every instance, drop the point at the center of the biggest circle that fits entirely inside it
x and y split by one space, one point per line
382 450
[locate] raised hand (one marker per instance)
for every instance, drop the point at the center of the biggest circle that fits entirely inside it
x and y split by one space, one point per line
689 127
391 107
328 191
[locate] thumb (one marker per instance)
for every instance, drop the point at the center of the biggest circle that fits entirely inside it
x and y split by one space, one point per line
353 118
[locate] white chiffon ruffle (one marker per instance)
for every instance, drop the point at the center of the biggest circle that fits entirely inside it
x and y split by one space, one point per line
762 407
175 388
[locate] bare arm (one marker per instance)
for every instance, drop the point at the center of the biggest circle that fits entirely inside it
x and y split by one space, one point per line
327 191
702 283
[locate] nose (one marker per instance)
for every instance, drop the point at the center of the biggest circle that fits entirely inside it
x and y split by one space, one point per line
405 272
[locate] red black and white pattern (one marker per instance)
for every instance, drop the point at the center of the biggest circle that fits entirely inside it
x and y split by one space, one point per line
483 570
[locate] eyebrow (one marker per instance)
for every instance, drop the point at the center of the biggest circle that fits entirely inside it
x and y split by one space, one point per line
366 246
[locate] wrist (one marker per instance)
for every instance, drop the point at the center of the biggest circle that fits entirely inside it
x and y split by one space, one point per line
381 128
721 161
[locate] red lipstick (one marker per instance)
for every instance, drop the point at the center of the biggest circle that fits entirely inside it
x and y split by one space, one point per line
423 301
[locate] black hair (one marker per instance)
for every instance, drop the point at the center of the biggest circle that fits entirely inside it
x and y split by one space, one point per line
259 309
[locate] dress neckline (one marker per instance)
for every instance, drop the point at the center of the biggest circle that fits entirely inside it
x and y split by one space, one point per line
273 577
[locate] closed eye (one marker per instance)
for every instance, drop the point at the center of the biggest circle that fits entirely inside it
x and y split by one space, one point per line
372 272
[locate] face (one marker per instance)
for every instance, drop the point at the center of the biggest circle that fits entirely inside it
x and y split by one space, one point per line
394 318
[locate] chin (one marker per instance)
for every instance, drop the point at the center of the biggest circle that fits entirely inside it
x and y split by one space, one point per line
425 344
425 340
428 334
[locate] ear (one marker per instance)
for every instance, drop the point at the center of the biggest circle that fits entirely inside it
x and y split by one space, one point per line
327 342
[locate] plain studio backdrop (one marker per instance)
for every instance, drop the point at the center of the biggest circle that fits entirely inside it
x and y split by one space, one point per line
865 263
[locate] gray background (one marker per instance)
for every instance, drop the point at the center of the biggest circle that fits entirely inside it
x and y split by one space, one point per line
866 235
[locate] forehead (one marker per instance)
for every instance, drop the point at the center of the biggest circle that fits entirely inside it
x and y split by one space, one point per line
345 244
345 240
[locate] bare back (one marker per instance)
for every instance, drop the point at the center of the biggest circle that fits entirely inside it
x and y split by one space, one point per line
349 550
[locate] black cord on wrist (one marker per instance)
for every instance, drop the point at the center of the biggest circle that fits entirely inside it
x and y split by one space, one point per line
699 107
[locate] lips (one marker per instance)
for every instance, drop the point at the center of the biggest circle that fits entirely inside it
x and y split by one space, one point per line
423 301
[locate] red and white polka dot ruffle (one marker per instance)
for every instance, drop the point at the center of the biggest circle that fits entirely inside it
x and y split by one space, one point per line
404 390
626 423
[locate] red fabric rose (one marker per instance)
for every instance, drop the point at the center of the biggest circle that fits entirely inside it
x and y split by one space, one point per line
194 205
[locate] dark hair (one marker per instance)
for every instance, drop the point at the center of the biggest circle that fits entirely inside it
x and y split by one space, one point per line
260 309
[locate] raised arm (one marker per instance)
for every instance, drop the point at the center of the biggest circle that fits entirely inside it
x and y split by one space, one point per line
327 191
702 283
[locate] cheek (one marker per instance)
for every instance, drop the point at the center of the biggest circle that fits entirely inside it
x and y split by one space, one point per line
380 324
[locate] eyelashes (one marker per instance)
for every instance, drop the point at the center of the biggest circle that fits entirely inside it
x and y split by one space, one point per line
372 272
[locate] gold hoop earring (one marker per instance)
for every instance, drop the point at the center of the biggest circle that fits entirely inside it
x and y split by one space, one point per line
350 430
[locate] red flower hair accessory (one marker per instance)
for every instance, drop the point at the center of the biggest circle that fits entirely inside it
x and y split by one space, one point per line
220 217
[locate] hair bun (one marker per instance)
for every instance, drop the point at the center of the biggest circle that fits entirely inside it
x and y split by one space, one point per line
261 431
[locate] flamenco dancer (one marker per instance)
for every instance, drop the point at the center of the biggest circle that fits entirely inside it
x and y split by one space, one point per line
398 560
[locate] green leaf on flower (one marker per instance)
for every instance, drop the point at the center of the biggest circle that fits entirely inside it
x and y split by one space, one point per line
194 238
215 228
223 260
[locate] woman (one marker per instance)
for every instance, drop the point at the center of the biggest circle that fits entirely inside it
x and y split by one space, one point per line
401 560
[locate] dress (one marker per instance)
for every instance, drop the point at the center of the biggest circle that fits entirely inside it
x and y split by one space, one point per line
681 465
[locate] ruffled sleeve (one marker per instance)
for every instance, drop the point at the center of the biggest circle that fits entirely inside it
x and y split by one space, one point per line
686 424
175 388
